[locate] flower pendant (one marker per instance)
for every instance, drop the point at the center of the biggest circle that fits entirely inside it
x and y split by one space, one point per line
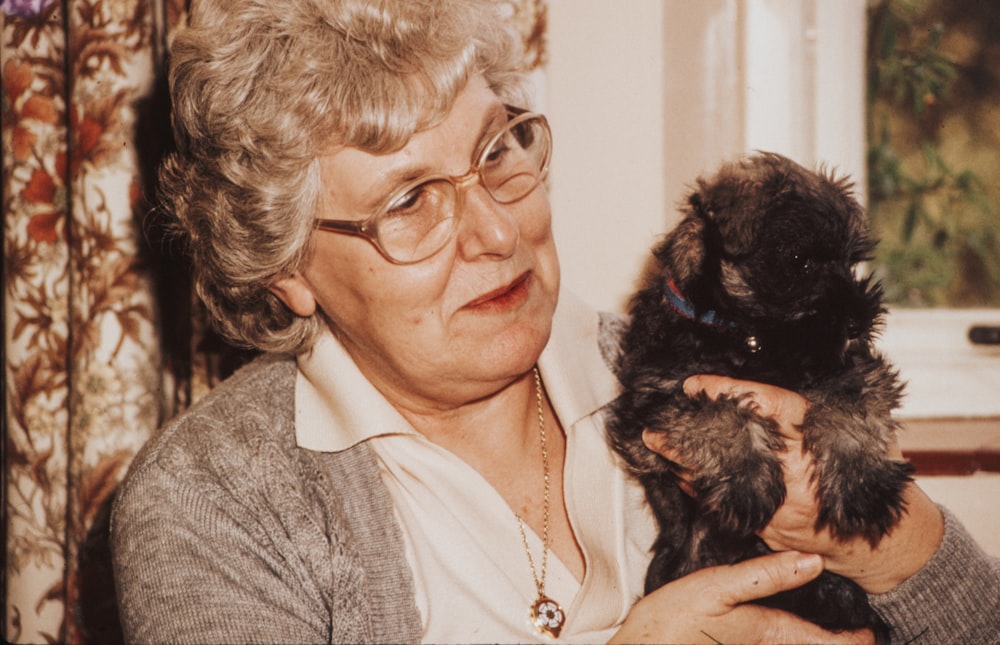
547 616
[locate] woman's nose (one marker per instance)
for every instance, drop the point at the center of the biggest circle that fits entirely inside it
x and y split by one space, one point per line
486 227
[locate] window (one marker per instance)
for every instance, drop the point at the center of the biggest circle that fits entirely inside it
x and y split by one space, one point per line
934 149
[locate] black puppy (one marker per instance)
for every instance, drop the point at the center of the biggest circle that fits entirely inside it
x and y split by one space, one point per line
757 282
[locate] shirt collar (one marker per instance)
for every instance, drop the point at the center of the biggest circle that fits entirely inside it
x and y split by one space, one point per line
336 407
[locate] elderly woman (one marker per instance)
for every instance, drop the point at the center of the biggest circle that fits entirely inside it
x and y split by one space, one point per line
419 453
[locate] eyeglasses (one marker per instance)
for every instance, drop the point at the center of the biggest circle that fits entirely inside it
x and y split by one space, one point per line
420 218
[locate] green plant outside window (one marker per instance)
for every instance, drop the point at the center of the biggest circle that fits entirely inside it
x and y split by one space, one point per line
933 126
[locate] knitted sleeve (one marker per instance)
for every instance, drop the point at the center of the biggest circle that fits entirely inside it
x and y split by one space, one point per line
955 598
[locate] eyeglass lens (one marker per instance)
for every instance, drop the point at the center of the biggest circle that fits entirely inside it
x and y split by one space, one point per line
420 219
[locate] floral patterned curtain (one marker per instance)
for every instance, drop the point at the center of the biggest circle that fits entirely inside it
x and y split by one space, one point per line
84 378
102 338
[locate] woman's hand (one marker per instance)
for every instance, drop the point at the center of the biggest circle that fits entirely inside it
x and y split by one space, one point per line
708 606
899 555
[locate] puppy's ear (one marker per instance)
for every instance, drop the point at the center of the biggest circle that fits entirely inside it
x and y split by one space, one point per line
862 243
685 253
698 207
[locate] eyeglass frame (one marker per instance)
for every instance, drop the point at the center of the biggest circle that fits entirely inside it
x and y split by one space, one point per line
368 228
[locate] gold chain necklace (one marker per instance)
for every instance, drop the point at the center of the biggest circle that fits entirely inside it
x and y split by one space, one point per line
546 614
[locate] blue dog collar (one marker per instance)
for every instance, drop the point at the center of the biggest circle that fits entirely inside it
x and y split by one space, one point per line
683 306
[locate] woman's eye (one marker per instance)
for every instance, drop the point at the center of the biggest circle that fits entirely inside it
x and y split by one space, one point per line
406 202
497 152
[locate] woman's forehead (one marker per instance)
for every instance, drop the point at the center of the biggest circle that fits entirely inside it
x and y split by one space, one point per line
447 147
407 121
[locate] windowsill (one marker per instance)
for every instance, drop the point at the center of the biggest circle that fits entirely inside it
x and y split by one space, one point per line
957 463
947 376
952 446
951 412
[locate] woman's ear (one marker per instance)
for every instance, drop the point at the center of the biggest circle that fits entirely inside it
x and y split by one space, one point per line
296 294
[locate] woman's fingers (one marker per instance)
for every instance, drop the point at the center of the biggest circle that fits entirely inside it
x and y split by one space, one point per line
784 406
656 442
764 576
710 606
767 575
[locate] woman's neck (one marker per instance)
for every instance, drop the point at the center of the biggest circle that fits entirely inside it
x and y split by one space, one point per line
500 438
503 425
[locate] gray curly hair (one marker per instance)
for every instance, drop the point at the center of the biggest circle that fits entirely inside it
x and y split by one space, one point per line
261 88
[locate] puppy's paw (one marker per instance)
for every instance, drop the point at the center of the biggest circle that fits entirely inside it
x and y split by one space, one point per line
864 501
860 489
741 486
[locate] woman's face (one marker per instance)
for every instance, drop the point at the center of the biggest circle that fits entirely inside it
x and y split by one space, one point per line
461 324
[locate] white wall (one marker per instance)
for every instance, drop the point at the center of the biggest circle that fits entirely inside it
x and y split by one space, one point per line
604 102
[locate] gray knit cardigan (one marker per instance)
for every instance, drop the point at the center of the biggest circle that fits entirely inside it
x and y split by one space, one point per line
225 531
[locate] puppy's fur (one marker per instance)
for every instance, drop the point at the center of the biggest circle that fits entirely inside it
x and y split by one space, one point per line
757 282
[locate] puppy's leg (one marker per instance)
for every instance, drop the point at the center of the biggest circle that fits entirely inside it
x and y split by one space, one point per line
674 512
732 453
849 430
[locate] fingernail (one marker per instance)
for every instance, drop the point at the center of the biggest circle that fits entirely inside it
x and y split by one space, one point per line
808 564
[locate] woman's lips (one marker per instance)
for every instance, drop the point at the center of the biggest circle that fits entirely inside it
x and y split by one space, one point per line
506 297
